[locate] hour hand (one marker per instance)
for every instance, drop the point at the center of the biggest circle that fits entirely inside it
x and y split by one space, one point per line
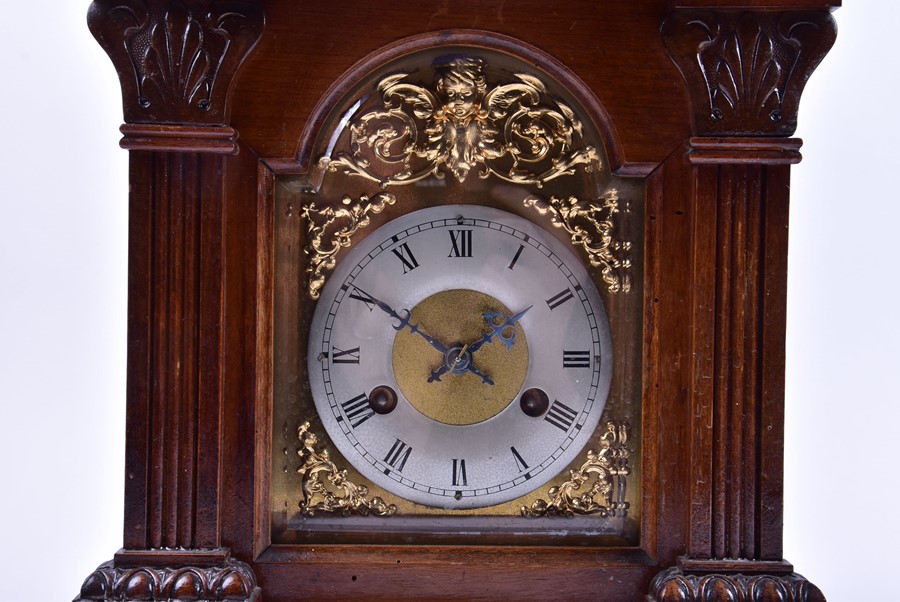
436 374
414 328
402 318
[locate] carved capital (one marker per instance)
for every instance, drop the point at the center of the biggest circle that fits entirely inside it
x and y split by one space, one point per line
675 585
745 71
176 60
233 581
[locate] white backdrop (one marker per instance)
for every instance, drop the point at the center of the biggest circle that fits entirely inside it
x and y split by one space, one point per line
62 309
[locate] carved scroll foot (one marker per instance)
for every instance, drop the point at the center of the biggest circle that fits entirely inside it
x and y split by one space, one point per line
736 581
229 580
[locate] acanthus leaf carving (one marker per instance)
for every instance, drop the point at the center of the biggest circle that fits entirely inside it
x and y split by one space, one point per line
176 60
745 71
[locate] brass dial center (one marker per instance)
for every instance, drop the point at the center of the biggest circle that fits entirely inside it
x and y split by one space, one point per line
460 397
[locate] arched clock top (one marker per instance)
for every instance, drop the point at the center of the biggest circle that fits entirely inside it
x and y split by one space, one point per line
423 76
461 120
459 125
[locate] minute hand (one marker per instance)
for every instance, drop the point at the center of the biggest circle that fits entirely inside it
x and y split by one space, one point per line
498 330
403 321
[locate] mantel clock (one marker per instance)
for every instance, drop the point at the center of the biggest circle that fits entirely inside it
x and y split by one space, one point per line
472 303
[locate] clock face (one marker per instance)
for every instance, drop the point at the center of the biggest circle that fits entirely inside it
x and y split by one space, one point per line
460 357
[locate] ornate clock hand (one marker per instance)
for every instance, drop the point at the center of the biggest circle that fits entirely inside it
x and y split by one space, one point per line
497 330
461 361
404 321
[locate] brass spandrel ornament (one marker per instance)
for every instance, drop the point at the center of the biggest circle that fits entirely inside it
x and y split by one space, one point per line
326 487
597 486
331 228
590 226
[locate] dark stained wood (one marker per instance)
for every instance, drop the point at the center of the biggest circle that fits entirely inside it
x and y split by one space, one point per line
667 400
473 38
735 151
247 312
452 573
299 58
230 580
673 585
161 558
200 316
175 329
745 70
176 60
757 4
179 138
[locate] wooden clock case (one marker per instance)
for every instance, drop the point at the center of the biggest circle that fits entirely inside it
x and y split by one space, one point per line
700 99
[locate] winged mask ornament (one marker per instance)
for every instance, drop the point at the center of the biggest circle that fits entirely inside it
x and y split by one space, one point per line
514 131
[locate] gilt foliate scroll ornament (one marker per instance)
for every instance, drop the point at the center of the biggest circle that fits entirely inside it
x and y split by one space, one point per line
326 487
590 226
514 131
597 486
331 228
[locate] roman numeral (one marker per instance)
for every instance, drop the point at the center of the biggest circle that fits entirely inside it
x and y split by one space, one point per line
362 296
515 258
405 255
357 410
561 416
520 461
462 243
397 456
341 356
558 299
459 473
576 359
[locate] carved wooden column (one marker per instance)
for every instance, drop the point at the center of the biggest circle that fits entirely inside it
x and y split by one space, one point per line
175 66
744 73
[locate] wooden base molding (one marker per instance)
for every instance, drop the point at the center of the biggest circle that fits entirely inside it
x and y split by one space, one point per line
678 585
172 575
